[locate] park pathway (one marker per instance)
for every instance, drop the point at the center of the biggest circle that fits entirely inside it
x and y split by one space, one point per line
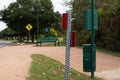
4 43
15 61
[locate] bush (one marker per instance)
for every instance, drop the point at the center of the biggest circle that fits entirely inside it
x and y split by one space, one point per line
53 32
82 37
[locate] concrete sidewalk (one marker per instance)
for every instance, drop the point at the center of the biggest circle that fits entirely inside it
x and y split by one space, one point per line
15 61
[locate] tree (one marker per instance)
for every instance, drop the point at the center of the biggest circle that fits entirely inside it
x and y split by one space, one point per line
23 12
57 21
78 7
7 33
108 30
107 35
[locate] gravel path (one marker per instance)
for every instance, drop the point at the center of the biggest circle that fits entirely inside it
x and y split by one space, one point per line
15 61
4 43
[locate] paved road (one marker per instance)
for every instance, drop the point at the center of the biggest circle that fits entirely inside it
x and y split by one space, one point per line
4 43
15 61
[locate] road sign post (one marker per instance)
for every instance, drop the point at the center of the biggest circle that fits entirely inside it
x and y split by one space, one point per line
68 45
28 27
28 36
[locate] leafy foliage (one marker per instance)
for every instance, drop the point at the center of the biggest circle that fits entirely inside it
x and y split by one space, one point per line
7 32
108 33
109 22
23 12
53 32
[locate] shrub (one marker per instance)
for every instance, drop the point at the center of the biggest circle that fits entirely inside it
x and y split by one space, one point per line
53 32
82 37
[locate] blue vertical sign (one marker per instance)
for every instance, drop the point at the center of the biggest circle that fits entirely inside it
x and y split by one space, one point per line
46 29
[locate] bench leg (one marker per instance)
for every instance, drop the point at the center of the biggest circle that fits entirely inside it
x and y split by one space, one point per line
58 42
55 43
40 43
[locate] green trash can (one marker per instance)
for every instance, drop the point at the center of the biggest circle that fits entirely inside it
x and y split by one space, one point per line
89 59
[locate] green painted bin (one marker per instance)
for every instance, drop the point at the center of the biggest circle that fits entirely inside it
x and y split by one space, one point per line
89 59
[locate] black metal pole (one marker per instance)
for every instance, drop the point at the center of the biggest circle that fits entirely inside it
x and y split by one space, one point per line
92 39
37 28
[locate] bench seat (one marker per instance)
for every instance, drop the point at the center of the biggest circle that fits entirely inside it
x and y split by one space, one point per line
48 39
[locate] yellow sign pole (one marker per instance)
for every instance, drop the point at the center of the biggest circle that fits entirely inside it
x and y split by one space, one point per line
28 27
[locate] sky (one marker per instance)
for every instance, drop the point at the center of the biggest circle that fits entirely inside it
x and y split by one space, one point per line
58 6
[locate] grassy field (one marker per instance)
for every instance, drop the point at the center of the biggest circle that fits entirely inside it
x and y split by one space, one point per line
45 68
105 51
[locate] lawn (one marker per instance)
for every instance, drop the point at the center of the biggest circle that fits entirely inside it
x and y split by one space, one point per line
108 52
105 51
45 68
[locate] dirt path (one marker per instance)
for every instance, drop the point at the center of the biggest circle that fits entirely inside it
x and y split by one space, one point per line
15 61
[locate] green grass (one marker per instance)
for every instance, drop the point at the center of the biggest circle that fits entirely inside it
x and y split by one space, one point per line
105 51
108 52
45 68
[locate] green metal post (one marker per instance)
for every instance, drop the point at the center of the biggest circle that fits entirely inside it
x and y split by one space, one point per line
92 39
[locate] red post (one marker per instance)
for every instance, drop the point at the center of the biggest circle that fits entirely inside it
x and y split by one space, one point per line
64 21
73 39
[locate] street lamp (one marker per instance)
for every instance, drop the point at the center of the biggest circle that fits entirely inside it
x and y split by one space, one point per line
37 21
37 27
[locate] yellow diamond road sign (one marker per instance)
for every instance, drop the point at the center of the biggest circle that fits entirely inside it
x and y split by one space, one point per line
29 27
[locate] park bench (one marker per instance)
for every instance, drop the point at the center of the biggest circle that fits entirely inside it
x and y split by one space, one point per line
48 39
